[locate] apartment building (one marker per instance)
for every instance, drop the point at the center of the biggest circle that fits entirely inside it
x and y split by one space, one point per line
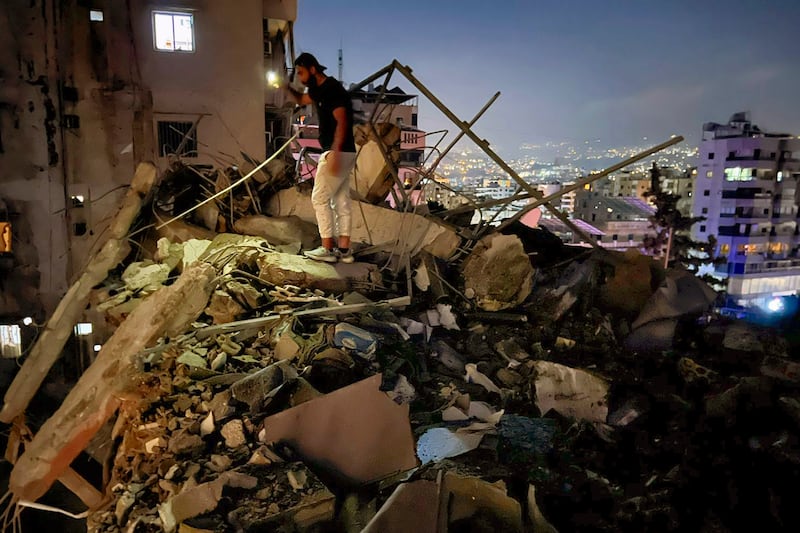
746 187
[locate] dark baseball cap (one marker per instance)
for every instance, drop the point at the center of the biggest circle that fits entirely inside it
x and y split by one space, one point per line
307 60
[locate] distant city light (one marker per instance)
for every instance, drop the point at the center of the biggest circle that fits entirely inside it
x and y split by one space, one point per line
27 321
97 347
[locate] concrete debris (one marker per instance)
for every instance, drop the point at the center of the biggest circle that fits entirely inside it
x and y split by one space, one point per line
243 387
498 273
280 230
571 392
372 177
403 233
285 269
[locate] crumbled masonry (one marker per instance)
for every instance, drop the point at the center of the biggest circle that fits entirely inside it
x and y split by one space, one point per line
443 382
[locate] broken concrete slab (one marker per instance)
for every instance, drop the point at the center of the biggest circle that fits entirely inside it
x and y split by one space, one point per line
498 273
223 308
201 498
680 294
570 392
179 231
402 233
254 389
372 177
51 341
358 432
113 376
631 284
280 230
287 269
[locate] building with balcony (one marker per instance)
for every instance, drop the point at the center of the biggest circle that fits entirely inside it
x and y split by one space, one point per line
622 221
747 187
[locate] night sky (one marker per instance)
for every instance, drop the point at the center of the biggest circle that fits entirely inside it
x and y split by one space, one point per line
575 69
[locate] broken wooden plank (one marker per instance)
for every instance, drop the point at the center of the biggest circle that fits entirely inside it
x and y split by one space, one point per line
111 379
58 329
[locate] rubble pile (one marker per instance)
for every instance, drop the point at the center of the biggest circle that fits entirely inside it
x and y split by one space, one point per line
515 384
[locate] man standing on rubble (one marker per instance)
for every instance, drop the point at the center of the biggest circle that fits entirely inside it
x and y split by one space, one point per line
331 194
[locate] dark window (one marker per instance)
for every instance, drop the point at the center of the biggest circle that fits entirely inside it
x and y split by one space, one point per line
414 119
702 229
757 153
171 137
630 236
766 211
706 193
705 210
79 228
593 216
711 155
731 155
614 237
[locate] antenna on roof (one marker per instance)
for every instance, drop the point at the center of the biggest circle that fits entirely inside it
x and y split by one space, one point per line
341 64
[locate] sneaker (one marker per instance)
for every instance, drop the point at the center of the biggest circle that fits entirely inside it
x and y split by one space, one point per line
345 257
321 254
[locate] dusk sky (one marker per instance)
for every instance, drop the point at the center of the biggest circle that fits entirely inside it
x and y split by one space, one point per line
575 69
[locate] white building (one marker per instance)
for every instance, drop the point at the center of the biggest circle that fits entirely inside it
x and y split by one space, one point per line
746 186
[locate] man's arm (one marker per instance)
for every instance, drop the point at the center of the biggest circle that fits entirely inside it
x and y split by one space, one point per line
299 98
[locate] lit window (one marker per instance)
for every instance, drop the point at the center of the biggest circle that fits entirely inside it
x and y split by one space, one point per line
709 173
10 341
5 237
83 329
96 15
173 32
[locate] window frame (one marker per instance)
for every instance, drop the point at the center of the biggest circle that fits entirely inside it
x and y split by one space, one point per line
173 13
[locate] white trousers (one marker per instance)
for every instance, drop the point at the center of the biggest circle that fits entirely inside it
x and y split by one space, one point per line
331 196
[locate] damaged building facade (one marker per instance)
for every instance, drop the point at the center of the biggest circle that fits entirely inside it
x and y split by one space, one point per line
89 88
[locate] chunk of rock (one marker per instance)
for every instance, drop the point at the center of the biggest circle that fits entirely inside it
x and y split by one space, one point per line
279 230
233 433
183 442
254 389
223 308
287 269
498 273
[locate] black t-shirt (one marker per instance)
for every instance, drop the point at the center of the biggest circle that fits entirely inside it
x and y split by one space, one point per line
327 97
